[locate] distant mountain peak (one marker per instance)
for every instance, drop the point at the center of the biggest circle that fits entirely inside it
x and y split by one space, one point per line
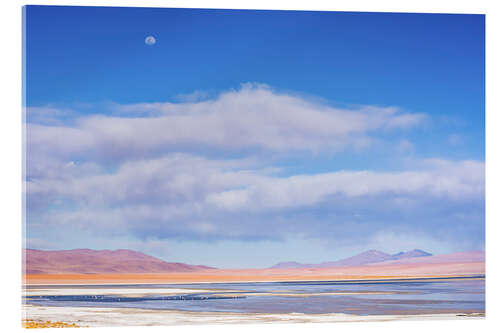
374 253
421 251
411 254
289 264
364 258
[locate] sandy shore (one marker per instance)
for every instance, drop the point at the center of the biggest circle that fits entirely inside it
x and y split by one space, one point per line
99 317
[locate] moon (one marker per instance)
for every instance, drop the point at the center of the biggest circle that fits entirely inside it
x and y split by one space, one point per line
150 40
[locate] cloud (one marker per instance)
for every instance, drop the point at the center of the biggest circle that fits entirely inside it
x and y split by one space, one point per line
208 170
48 115
447 180
175 177
253 117
405 146
190 197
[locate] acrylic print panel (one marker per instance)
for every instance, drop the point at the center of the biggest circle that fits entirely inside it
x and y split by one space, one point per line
193 166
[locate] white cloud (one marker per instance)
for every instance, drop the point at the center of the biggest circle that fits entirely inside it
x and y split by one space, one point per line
254 117
451 180
241 184
48 115
190 196
170 179
120 175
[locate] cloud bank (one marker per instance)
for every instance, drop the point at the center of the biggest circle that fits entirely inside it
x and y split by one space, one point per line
191 197
254 117
206 170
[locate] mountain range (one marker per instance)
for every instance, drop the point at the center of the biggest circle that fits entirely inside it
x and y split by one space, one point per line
88 261
364 258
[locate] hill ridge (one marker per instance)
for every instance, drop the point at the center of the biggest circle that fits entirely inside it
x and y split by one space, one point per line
89 261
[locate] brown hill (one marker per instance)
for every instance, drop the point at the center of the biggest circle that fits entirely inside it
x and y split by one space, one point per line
86 261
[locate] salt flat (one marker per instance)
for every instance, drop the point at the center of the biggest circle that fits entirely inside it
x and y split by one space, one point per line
99 317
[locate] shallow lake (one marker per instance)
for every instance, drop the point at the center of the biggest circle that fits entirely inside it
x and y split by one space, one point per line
374 297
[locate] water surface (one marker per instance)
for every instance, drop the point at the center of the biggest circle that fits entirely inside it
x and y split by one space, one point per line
362 297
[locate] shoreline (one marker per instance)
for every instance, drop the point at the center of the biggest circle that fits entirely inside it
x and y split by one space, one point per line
107 317
174 278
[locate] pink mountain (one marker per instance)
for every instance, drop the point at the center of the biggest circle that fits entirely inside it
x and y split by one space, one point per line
99 261
292 264
364 258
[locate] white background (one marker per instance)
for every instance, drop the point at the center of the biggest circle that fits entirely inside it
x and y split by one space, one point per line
11 153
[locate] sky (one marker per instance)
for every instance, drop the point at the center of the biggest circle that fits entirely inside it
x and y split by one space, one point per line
244 138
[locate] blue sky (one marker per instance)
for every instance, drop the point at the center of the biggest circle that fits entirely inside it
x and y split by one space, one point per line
272 135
